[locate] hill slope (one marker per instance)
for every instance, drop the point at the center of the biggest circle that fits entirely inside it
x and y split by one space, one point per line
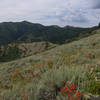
15 51
27 38
43 75
30 32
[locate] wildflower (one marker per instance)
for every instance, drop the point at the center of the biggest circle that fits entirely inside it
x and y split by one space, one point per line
70 91
71 98
65 94
78 93
63 89
25 96
23 93
78 99
68 95
72 86
66 90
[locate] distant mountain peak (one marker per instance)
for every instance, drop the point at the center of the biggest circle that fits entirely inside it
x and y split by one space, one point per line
25 21
22 31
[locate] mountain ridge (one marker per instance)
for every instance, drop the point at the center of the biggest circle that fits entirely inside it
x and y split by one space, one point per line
22 31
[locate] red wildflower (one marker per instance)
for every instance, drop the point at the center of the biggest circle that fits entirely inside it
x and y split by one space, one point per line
71 98
77 93
65 94
70 91
72 86
63 89
78 99
23 93
68 95
66 90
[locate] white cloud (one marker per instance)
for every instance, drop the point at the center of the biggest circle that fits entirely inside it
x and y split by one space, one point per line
61 12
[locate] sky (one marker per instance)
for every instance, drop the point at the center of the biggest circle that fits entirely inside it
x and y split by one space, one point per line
84 13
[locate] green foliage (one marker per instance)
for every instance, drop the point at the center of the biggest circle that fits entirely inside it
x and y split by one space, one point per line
11 53
29 32
93 87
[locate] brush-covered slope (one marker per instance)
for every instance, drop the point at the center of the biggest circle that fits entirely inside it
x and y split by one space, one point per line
30 32
15 51
23 47
41 77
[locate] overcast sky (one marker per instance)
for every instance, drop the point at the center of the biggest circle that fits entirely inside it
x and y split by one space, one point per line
52 12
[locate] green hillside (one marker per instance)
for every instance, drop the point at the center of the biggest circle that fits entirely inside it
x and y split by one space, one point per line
42 76
32 32
24 47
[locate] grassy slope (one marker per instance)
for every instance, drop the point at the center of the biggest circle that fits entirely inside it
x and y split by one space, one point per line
51 68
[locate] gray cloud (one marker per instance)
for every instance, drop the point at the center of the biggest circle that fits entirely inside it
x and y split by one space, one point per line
61 12
96 4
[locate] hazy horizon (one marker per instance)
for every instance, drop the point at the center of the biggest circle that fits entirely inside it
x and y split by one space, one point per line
79 13
50 24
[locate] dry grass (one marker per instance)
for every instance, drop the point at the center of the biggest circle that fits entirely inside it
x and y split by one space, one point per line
45 72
